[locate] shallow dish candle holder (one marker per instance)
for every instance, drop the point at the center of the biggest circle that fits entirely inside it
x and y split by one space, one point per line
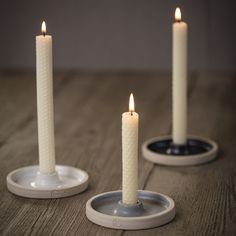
130 208
151 210
167 150
197 150
28 182
46 180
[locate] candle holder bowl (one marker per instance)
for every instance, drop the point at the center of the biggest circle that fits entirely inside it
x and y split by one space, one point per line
161 150
152 210
29 182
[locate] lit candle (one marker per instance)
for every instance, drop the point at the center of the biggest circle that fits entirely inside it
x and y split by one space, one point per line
179 80
45 102
130 154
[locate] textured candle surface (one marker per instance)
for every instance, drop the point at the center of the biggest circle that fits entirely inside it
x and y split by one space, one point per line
45 104
129 157
179 82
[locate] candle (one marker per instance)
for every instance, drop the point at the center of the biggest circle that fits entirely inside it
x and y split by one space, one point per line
179 80
130 154
45 102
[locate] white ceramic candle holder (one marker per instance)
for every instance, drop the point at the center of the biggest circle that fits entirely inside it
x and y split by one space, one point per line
152 210
161 150
29 182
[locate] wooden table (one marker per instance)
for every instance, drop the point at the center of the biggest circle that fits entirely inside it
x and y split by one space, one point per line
88 109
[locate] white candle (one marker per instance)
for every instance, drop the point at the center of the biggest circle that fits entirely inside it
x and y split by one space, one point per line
179 80
45 102
130 154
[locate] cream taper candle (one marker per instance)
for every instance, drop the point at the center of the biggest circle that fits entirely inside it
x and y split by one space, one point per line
130 154
45 102
179 80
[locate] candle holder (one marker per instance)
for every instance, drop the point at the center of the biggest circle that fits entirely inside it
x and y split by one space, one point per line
152 210
29 182
161 150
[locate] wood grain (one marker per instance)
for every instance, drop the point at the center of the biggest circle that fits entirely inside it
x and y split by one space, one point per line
88 108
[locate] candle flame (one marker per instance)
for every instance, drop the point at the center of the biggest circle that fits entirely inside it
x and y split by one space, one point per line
177 14
131 103
43 28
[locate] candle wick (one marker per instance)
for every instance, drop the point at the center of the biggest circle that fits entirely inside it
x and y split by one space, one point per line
44 34
178 21
131 113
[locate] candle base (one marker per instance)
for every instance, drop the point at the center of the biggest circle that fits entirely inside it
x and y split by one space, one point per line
152 210
29 182
161 150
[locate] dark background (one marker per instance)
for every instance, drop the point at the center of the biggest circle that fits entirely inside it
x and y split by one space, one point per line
121 34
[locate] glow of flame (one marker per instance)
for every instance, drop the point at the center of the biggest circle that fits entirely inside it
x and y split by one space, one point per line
131 103
43 28
177 14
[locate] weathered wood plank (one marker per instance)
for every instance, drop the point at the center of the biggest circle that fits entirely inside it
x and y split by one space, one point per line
88 109
18 99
